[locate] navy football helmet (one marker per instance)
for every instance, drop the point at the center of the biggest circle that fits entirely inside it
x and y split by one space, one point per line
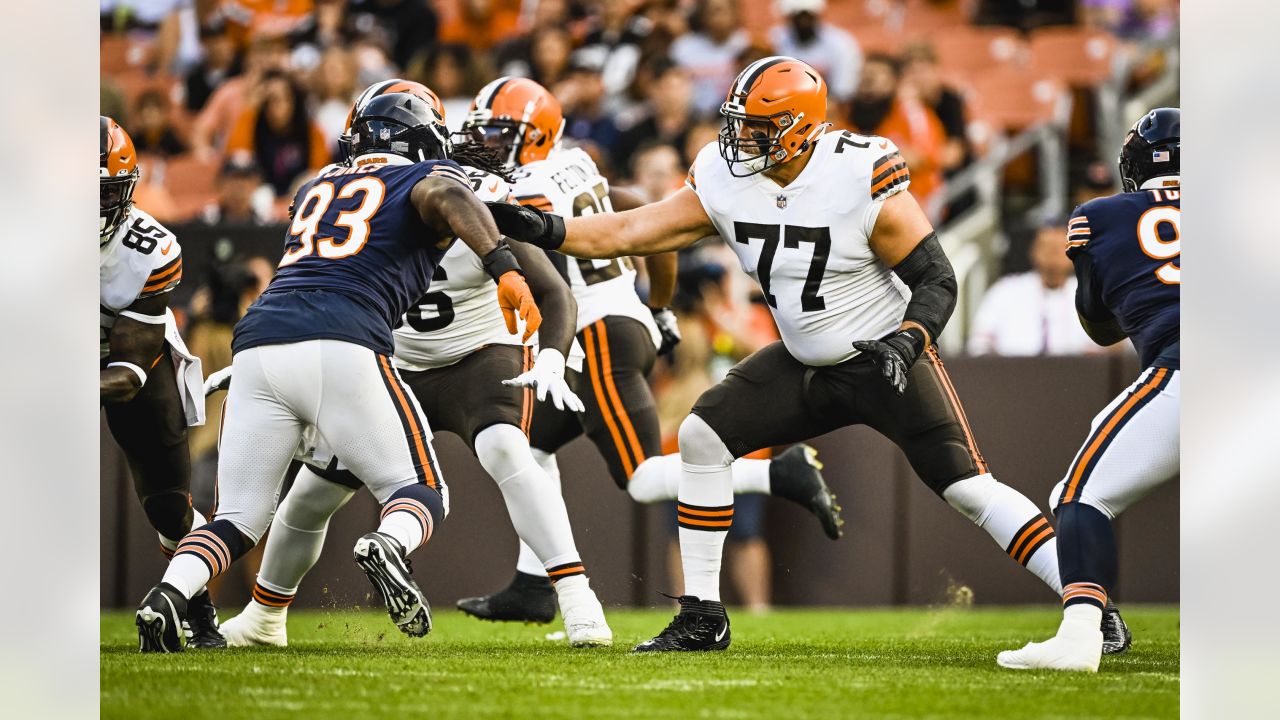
1152 148
399 123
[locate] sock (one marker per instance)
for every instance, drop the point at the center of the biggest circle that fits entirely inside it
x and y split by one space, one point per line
1013 521
705 508
204 554
297 536
1087 554
410 515
657 479
527 562
533 501
169 547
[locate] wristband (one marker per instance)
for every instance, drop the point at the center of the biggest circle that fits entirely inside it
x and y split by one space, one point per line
142 374
500 261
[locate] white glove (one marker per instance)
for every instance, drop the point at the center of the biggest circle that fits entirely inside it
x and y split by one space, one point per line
219 380
547 376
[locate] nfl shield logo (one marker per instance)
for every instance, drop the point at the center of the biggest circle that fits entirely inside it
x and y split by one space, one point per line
1160 156
782 201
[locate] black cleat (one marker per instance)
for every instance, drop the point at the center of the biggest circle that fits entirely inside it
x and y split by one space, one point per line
160 619
794 475
202 624
701 625
1116 637
383 561
529 598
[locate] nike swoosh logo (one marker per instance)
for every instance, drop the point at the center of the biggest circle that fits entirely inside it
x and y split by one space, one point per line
721 634
494 187
165 250
884 144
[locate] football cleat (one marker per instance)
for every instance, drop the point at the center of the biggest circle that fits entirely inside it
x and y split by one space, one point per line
583 615
159 619
700 625
529 598
794 475
1077 647
1116 636
257 625
202 624
383 561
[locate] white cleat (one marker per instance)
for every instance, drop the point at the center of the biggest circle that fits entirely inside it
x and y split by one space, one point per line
583 615
1077 647
257 625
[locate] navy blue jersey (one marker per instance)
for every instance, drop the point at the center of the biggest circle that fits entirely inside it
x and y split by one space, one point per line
1130 246
357 255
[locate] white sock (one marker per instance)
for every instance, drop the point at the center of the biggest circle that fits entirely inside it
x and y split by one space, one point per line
1080 618
186 573
403 527
657 479
171 546
532 497
705 506
1013 521
297 534
527 562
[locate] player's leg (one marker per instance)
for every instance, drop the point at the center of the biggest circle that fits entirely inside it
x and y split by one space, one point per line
261 427
1132 448
375 426
929 424
729 421
293 545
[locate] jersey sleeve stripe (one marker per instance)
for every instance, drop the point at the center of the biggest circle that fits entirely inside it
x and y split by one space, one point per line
169 282
886 186
165 270
542 202
886 165
451 172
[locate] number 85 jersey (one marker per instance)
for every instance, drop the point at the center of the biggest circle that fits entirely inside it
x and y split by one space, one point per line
142 260
808 244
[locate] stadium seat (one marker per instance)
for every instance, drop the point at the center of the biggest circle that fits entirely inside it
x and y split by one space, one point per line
120 53
924 17
1081 57
1013 99
876 39
187 175
972 50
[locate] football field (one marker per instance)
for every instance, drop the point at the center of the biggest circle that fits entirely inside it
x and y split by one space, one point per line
785 664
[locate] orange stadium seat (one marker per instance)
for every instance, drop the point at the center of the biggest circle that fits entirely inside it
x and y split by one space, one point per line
876 39
188 176
923 17
121 53
970 50
1013 99
1081 57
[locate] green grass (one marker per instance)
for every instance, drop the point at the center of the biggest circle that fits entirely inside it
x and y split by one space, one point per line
784 665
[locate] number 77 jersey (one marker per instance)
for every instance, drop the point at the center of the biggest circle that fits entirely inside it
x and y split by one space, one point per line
1134 243
808 244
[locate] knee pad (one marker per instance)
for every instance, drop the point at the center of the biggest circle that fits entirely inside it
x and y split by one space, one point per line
311 501
169 513
971 496
503 451
700 445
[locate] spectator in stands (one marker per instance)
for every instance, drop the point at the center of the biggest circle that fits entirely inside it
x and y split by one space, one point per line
239 200
280 133
829 49
669 21
1025 14
456 74
616 34
550 51
1098 181
1141 20
1033 313
698 137
884 106
657 170
334 89
582 97
152 126
710 53
410 26
216 66
213 125
666 116
480 24
515 56
921 74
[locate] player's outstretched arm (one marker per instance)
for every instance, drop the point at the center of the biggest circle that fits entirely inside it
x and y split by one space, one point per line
137 338
676 222
555 299
452 208
661 267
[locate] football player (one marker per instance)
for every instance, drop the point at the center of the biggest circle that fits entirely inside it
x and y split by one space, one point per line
147 377
314 350
1127 253
621 337
860 288
473 378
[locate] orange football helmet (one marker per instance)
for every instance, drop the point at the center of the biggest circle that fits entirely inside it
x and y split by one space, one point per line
393 85
774 111
517 117
117 176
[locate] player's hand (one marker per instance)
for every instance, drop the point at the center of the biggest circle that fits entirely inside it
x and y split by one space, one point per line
218 380
669 329
547 377
515 299
528 224
894 356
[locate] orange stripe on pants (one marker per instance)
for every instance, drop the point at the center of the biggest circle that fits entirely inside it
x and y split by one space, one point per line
958 409
1078 471
597 386
636 450
418 447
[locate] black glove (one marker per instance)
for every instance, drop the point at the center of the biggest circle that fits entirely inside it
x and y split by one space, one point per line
528 224
670 330
894 355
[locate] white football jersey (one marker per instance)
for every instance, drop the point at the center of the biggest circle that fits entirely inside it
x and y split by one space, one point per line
568 184
460 313
142 259
808 244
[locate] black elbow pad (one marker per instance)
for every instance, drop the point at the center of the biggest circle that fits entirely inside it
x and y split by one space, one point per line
927 271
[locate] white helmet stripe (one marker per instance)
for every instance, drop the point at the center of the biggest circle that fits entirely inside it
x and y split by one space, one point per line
749 75
484 98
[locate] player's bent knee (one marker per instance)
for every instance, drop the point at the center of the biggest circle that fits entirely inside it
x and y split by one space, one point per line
700 445
503 451
972 495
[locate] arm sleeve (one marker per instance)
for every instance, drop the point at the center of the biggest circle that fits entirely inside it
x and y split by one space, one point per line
927 271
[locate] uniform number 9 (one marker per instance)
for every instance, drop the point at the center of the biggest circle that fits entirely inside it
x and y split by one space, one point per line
1159 249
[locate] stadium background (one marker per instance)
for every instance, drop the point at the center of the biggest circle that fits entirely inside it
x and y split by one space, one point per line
1010 112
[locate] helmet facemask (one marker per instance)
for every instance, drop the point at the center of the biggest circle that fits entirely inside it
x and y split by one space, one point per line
115 198
757 142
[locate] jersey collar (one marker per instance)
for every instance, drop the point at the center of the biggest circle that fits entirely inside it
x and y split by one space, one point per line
384 158
1161 181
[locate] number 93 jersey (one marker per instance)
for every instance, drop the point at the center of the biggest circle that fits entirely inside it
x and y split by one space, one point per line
1134 243
460 314
568 184
142 260
808 244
